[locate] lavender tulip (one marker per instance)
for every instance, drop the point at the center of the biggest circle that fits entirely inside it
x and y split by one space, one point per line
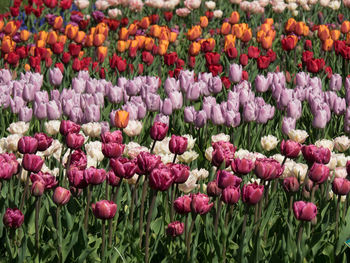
176 99
261 83
200 119
250 111
152 102
78 85
171 85
53 110
288 124
215 85
320 119
167 107
294 109
235 73
25 114
193 91
189 114
216 115
335 82
55 76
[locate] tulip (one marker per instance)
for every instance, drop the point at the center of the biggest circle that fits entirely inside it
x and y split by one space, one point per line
27 144
318 173
94 176
55 76
291 184
6 171
38 188
115 136
213 189
175 229
180 172
104 209
158 131
235 73
290 149
67 127
61 196
316 154
230 195
341 186
161 179
182 204
304 211
112 149
242 166
225 179
147 162
268 169
32 162
177 144
223 151
76 178
252 193
43 140
200 204
74 141
123 167
13 218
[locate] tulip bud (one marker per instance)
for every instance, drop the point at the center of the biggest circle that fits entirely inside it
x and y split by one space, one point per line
158 131
200 204
32 162
213 189
61 196
318 173
177 144
291 184
74 141
161 179
225 179
27 144
252 193
242 166
38 188
341 186
230 195
290 149
304 211
121 119
175 229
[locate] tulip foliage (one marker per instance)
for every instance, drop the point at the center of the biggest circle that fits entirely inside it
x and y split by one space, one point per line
174 131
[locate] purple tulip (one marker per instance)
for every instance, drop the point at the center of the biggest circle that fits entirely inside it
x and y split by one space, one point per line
335 82
186 78
25 114
288 124
200 119
294 109
261 83
167 107
55 76
176 99
53 110
40 110
193 91
250 111
215 85
320 119
152 102
235 73
190 114
216 115
171 85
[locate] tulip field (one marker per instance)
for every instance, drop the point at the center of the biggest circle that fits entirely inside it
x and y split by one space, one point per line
174 131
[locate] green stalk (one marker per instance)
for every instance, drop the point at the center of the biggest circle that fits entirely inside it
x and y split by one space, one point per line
189 236
218 210
37 210
88 200
111 229
59 234
143 198
153 198
25 192
103 240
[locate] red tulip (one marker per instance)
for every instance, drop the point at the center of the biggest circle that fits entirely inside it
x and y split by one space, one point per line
182 204
115 136
69 127
13 218
268 168
44 141
74 140
243 59
147 162
104 209
161 179
223 151
290 149
316 154
175 229
78 159
213 189
170 58
200 204
263 62
180 172
123 167
253 52
94 176
252 193
225 179
304 211
76 178
113 180
61 196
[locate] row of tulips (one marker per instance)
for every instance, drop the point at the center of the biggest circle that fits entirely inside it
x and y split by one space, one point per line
256 179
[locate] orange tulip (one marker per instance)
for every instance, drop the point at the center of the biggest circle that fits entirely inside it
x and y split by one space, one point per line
92 30
42 35
290 25
347 39
89 41
99 39
145 22
52 38
335 34
155 31
234 18
194 33
102 53
79 37
121 46
132 29
25 35
123 33
173 37
71 31
121 119
237 30
247 35
203 21
225 28
266 42
2 23
40 43
306 30
269 21
265 27
327 44
26 67
81 54
7 44
62 39
323 32
260 35
141 40
164 35
149 43
299 28
194 49
58 22
101 28
127 44
32 51
10 28
345 27
162 49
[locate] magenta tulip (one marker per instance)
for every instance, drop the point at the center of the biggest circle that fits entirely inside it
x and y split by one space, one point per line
13 218
318 173
27 144
112 149
69 127
104 209
180 172
61 196
74 140
161 179
290 149
341 186
159 131
94 176
200 204
123 167
304 211
32 163
177 144
175 229
44 141
223 151
316 154
242 166
225 179
268 168
252 193
213 189
182 204
291 184
147 162
230 195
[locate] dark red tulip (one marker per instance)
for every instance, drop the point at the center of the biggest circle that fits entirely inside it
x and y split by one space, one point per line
161 179
180 172
76 178
94 176
6 171
304 211
225 179
213 189
74 140
147 162
32 163
182 204
47 179
314 154
115 136
159 131
200 204
104 209
112 149
223 151
61 196
123 167
38 188
113 180
78 159
290 149
175 229
13 218
252 193
268 168
44 141
242 166
69 127
230 195
291 184
11 161
27 144
177 144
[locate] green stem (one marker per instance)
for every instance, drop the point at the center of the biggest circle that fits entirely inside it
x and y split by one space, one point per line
189 235
111 229
88 200
229 210
59 234
300 236
149 218
37 210
25 192
337 219
218 210
103 240
143 198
